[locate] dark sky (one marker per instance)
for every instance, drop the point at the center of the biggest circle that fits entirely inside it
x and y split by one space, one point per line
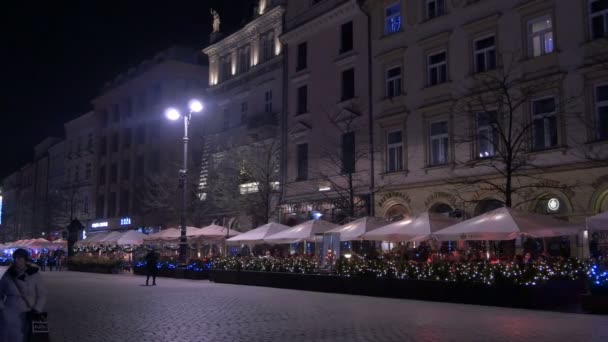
58 54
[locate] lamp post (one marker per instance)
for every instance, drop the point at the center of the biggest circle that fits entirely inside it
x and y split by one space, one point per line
173 114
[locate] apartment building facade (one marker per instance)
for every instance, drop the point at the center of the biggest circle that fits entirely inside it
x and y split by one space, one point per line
439 116
327 166
137 151
239 180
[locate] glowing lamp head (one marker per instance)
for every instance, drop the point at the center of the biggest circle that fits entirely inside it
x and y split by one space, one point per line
173 114
195 106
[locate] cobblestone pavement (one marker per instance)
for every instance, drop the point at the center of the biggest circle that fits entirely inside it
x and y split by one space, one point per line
91 307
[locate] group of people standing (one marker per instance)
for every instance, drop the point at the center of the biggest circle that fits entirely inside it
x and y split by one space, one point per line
54 260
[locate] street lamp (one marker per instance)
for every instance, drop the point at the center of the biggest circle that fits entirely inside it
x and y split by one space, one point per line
173 114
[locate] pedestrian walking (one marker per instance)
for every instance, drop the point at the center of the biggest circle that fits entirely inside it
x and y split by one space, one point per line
22 293
151 266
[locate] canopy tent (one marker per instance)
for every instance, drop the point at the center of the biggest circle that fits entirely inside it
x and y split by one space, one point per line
60 241
598 222
172 234
92 240
110 239
214 231
132 237
417 229
356 229
303 232
39 244
507 224
258 234
19 243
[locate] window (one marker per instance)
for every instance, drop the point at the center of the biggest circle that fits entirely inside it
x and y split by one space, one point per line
392 19
154 130
249 188
346 37
601 110
90 142
302 162
302 60
487 137
268 101
104 118
267 46
437 68
112 204
544 123
393 82
154 161
540 36
115 142
348 152
128 106
76 174
225 66
435 8
141 102
140 135
99 208
394 151
598 16
156 93
102 175
485 54
139 167
103 146
87 171
85 205
126 138
302 100
124 203
243 112
115 113
348 84
126 169
244 59
113 173
439 143
226 119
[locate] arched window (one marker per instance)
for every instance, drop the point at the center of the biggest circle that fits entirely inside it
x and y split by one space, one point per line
487 205
397 212
441 208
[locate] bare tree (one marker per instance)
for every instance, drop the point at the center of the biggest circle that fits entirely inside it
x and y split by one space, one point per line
494 104
63 206
347 187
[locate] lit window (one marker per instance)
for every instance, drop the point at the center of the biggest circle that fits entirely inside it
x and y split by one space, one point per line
393 82
487 139
598 16
545 123
439 143
249 188
435 8
392 19
437 68
540 34
394 151
601 110
485 54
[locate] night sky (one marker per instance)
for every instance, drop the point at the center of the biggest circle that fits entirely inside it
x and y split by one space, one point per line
58 55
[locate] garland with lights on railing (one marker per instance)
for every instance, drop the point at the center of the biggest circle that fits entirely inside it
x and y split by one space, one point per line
472 272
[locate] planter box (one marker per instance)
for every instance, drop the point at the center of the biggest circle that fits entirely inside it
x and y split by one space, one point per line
562 295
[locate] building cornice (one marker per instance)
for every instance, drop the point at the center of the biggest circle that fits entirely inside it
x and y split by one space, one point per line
329 19
270 19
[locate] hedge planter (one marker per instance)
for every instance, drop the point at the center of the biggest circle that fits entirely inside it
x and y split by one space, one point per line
561 295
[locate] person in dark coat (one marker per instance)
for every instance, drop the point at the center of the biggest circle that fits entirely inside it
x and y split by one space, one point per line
22 290
151 267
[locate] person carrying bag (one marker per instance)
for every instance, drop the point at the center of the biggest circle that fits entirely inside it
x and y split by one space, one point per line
22 302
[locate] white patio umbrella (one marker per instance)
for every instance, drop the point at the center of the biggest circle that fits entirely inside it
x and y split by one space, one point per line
110 239
598 222
91 240
507 224
39 243
258 234
356 229
418 228
303 232
132 237
172 234
215 232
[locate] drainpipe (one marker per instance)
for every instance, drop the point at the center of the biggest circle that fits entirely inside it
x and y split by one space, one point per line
283 126
367 12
